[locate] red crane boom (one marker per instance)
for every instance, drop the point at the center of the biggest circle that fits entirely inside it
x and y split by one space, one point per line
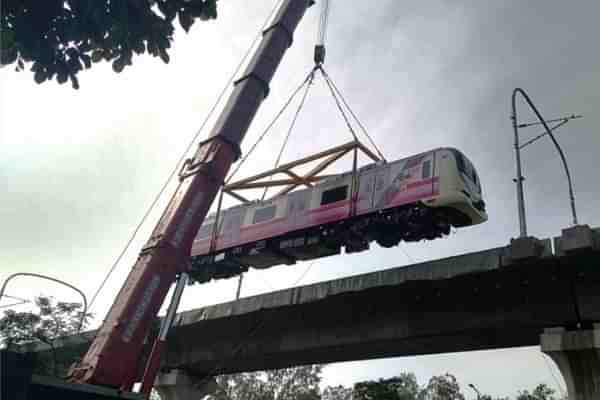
112 359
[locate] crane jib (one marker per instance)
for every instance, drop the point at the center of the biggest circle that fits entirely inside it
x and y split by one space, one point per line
113 357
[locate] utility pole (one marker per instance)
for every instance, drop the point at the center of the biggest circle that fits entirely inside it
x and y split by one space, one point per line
547 131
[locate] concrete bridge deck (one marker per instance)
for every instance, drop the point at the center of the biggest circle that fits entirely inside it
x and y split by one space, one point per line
481 300
476 301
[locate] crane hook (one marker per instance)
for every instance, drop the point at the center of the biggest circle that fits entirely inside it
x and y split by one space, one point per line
319 55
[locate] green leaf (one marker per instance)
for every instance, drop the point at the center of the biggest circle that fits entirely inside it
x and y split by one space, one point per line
139 47
118 65
87 61
39 76
97 55
36 66
75 85
153 48
74 65
164 56
168 9
8 38
8 56
185 20
209 11
62 77
127 56
63 38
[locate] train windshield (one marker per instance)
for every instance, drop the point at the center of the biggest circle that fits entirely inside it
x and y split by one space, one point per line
466 168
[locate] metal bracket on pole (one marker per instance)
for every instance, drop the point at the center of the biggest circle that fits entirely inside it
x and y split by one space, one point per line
519 178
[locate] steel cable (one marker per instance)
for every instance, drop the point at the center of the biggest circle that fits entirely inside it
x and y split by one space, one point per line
268 128
291 128
360 124
181 159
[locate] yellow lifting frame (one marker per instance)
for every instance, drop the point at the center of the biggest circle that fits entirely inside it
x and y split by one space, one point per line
327 157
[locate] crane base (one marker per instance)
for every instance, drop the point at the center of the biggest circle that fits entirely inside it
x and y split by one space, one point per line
18 383
42 387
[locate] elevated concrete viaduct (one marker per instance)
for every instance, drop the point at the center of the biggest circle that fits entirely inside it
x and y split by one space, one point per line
456 304
529 293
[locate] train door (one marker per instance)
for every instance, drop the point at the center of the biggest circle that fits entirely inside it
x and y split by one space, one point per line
297 206
428 175
409 181
381 182
366 186
232 223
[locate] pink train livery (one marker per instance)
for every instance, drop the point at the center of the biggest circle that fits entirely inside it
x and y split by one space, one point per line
412 199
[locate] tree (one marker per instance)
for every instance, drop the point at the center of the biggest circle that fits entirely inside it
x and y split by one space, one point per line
402 387
60 38
299 383
443 387
337 393
541 392
50 321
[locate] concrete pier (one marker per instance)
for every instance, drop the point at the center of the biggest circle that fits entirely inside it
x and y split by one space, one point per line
577 355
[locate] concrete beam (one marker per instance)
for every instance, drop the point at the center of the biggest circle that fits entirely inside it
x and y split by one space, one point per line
490 299
577 355
401 312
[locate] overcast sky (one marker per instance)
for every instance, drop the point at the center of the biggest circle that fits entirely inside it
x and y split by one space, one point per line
79 168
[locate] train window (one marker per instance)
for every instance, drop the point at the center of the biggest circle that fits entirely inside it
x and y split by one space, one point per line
476 179
205 231
333 195
427 169
264 214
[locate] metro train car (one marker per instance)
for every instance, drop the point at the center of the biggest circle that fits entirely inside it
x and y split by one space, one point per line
412 199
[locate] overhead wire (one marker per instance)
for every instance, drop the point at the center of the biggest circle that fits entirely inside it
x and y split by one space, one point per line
541 135
320 46
358 121
83 315
410 258
339 105
304 273
186 151
323 22
291 127
8 296
20 301
268 128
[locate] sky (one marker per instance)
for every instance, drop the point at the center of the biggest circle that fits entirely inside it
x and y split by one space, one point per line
78 169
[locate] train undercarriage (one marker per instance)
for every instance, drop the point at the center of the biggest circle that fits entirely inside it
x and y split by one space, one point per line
387 228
